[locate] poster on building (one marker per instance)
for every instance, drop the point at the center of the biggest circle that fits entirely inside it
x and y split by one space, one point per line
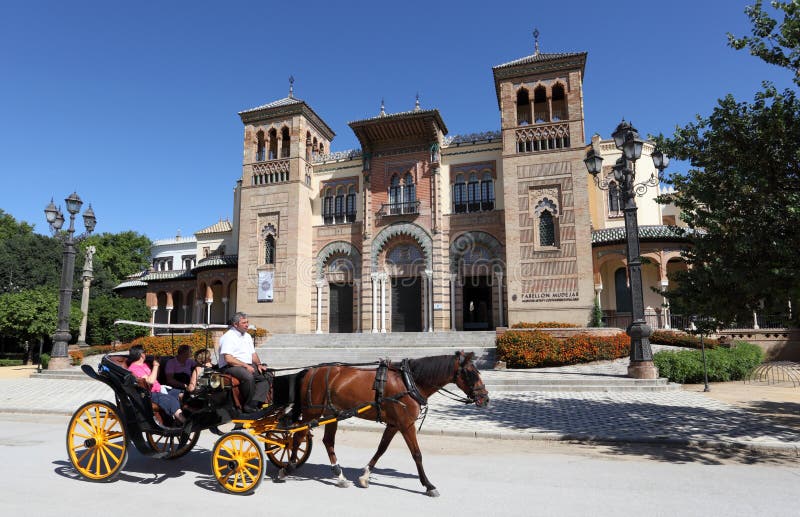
265 281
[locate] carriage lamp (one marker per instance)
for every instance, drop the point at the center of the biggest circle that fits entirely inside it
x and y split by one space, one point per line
627 140
55 218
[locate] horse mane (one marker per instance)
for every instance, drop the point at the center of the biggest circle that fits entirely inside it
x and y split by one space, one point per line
433 369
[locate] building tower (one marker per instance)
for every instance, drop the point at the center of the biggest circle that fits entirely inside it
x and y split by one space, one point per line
545 187
281 139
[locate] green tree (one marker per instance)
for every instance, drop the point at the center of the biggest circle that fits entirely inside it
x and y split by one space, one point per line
29 260
10 227
118 255
774 42
105 309
31 314
741 196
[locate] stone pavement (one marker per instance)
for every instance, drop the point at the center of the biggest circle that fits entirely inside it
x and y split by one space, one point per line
665 417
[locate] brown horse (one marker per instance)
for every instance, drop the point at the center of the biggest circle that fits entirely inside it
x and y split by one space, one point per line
334 389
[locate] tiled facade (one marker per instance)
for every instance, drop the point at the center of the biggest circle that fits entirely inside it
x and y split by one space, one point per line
419 231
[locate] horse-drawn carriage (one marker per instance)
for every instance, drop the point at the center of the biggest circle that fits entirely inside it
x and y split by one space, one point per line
100 432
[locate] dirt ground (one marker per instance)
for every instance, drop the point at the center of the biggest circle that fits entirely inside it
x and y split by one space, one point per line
16 372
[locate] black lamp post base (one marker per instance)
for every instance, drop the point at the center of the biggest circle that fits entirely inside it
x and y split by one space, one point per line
642 370
59 363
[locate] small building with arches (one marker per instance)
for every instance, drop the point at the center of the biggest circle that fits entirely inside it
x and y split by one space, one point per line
420 230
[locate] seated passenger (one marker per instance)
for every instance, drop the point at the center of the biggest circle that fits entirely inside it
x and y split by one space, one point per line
167 399
238 358
202 359
179 368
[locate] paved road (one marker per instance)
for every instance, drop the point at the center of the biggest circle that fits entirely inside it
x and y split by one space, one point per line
475 477
676 417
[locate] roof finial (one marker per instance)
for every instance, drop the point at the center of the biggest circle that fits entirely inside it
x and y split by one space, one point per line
416 104
383 108
291 87
536 42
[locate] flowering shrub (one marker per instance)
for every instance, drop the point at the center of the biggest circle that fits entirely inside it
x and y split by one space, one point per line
543 325
531 349
164 345
75 357
258 332
666 337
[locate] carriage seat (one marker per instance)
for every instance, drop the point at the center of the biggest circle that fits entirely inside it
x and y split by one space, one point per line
141 383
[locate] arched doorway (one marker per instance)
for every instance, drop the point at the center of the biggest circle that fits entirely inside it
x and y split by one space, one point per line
405 263
338 266
476 263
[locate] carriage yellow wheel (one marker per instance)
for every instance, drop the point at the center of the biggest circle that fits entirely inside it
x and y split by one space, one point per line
238 462
171 445
280 455
96 441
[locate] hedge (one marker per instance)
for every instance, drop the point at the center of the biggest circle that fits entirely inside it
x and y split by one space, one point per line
164 345
531 349
682 339
543 325
723 364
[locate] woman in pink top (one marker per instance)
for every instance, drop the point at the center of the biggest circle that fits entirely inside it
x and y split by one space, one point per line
169 401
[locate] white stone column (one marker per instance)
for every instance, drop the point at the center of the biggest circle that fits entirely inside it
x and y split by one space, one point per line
169 314
429 298
755 321
357 292
375 280
320 285
453 279
384 277
424 291
499 276
153 320
665 304
209 301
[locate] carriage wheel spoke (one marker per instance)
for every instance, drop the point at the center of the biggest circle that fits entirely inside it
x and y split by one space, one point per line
83 456
103 453
109 452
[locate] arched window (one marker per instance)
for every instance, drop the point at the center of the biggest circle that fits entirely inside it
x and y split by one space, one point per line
351 205
613 198
285 142
308 146
327 207
547 230
273 144
261 147
395 198
523 107
314 147
409 193
622 290
473 193
460 195
339 205
321 148
540 105
269 249
559 103
487 192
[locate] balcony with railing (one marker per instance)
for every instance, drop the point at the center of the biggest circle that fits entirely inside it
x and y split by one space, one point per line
265 173
542 137
394 209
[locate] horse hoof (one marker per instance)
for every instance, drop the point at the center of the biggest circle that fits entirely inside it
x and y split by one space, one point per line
281 475
343 483
363 481
432 493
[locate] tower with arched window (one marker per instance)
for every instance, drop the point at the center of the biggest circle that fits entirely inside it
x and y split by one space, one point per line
547 223
281 141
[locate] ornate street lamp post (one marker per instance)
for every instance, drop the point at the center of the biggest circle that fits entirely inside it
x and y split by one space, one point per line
55 218
626 139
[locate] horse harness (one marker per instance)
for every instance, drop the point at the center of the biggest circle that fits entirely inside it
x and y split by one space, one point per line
381 376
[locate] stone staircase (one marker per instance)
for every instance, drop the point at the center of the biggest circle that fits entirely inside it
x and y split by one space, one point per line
295 350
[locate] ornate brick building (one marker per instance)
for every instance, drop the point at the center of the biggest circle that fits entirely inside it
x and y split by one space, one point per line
422 231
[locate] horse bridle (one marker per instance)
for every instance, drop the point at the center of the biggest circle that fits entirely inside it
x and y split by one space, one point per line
462 371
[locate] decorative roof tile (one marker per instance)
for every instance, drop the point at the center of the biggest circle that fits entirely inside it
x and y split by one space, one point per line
398 115
538 58
130 283
647 233
179 274
220 227
217 261
286 101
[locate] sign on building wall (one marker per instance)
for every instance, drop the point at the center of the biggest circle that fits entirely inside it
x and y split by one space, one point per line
265 282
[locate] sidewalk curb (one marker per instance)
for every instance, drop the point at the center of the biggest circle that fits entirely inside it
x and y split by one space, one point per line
763 449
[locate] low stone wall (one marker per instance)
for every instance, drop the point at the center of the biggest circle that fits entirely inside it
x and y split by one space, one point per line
778 344
567 332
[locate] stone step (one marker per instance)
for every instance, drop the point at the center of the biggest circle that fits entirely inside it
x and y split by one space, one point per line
377 340
605 388
285 357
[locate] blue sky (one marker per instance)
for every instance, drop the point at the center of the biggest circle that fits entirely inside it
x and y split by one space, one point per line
134 104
